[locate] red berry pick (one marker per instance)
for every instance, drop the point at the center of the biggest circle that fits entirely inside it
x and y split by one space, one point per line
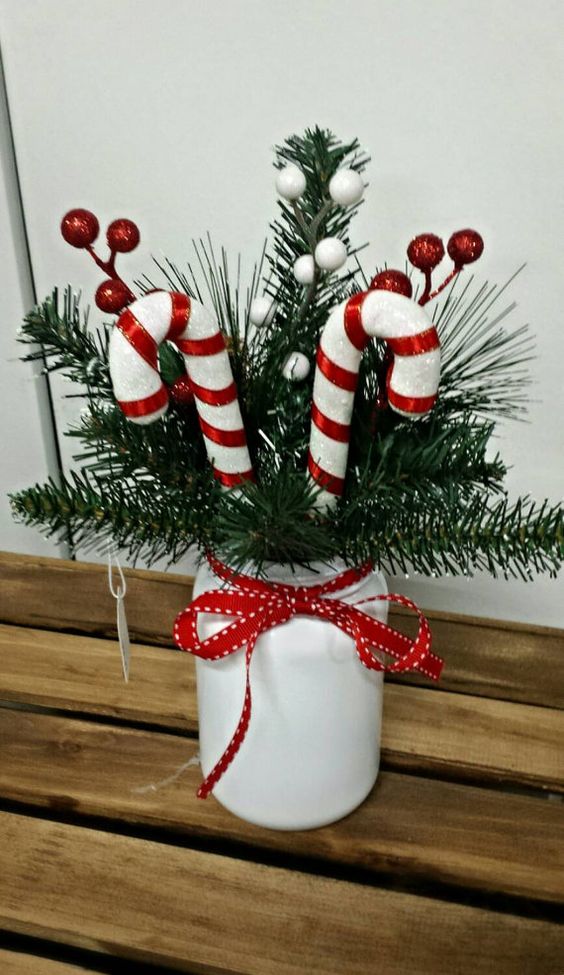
123 236
426 251
390 280
80 228
181 392
465 247
113 295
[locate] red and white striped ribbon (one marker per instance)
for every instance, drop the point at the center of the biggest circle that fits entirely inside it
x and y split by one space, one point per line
133 356
412 381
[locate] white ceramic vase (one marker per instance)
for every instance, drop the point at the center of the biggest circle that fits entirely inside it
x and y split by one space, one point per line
312 750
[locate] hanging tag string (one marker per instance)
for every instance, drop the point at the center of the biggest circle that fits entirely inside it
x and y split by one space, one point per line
154 786
113 562
118 591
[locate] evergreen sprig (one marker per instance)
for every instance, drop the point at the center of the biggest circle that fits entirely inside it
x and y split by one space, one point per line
425 496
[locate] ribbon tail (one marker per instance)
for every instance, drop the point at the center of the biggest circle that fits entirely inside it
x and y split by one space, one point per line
239 734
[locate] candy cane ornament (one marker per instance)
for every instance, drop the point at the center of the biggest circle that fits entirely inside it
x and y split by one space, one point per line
412 380
143 397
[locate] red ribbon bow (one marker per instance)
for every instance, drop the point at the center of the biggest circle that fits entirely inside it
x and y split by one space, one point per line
259 606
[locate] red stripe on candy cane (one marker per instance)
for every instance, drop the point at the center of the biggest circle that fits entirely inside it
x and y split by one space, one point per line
415 344
234 480
143 343
209 346
180 314
344 378
214 397
227 438
411 404
353 322
335 485
143 407
338 431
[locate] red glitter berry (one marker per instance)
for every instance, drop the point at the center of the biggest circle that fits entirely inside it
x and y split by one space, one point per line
112 296
390 280
465 247
181 392
426 251
80 228
123 235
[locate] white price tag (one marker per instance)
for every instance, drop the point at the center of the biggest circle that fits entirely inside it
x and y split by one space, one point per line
118 591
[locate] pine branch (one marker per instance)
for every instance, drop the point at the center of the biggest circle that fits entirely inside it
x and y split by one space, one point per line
61 336
141 519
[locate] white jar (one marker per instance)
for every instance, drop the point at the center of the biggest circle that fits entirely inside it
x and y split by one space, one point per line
312 749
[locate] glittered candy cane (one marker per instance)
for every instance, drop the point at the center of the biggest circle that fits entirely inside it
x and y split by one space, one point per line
170 316
412 379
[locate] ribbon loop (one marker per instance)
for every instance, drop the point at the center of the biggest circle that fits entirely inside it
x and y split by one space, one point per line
256 606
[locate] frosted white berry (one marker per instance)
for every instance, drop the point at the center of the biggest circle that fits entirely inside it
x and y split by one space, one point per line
290 182
346 187
296 367
262 310
304 269
330 254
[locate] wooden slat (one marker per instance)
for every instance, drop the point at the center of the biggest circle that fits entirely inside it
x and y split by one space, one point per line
60 594
480 839
204 913
19 963
473 737
484 657
84 674
454 734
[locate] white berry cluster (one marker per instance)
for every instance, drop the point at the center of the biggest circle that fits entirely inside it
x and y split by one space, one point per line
345 189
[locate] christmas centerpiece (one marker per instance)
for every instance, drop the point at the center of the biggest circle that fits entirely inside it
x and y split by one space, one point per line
305 433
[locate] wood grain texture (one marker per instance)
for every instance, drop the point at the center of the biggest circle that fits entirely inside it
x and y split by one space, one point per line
454 734
62 594
84 674
484 657
19 963
483 840
203 913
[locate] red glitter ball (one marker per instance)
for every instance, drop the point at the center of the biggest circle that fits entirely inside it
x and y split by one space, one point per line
426 251
181 392
112 296
123 235
80 228
390 280
465 247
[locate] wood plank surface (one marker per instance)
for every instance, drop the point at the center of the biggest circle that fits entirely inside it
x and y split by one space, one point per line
20 963
485 840
84 674
453 734
60 593
204 913
484 657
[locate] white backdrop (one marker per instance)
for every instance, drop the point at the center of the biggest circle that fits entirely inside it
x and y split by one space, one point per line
27 442
167 113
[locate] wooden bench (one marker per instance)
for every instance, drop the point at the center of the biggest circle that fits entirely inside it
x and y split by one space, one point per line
455 864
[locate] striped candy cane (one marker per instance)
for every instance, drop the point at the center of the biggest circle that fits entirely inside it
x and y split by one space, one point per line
143 397
412 380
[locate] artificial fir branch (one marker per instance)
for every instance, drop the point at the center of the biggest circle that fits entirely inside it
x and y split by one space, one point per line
59 334
139 517
424 496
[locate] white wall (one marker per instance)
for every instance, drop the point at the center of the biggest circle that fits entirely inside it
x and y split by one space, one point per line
166 113
27 438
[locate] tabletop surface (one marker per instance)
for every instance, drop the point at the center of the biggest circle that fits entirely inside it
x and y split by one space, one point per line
109 862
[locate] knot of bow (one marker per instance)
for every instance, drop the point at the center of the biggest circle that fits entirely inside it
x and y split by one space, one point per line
256 606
